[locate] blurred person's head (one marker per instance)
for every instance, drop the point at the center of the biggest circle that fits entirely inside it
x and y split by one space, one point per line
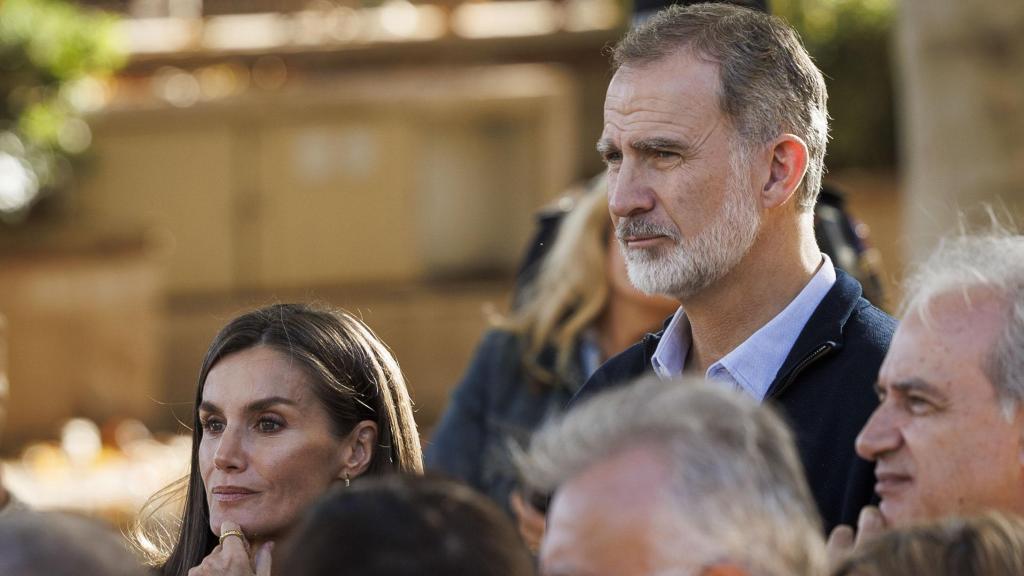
578 279
404 526
55 544
290 400
674 477
714 137
989 545
948 436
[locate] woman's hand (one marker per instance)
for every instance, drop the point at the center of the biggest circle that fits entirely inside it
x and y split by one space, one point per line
231 556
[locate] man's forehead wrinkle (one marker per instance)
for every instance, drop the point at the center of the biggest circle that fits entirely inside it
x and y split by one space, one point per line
663 108
661 125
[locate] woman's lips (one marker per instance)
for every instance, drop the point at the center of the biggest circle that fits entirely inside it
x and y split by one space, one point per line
231 493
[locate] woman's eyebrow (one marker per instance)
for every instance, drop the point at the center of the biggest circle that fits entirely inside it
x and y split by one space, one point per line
264 403
254 406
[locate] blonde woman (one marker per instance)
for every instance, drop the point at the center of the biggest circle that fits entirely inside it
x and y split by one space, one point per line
579 310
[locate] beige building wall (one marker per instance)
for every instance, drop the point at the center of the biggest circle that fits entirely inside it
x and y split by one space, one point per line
406 197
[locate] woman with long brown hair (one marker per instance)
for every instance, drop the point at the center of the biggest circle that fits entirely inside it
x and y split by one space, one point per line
291 399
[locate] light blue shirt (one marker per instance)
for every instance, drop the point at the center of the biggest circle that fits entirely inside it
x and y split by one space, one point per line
753 365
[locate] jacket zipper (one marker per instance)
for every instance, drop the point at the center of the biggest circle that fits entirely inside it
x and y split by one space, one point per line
807 361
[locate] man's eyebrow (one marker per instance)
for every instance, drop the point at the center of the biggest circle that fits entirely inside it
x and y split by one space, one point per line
650 144
917 385
605 146
255 406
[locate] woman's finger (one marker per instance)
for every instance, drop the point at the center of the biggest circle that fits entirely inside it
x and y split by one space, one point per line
263 559
232 539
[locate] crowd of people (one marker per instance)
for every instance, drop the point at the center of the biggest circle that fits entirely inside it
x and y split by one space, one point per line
776 423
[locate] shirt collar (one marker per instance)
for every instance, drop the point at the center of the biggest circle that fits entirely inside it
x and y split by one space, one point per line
753 365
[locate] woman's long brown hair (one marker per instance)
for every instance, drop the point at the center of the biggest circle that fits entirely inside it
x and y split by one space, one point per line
354 376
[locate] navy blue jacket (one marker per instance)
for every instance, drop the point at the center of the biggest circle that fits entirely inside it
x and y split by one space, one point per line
495 404
825 389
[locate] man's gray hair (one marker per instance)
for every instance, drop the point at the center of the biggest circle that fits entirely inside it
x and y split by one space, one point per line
768 83
734 469
991 261
57 544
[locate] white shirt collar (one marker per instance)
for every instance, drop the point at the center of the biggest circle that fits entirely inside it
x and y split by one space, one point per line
753 365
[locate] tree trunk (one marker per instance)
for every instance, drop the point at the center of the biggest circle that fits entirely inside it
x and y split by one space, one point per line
962 88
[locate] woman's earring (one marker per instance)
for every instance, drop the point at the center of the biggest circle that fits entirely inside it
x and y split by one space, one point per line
348 482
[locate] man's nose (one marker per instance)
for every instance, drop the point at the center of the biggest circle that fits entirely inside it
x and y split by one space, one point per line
880 435
629 191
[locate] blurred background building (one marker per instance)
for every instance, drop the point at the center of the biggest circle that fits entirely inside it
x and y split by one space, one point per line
165 164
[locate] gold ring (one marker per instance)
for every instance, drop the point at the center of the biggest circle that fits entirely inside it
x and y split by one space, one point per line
227 533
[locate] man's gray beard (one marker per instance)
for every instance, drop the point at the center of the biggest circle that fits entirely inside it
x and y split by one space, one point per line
691 265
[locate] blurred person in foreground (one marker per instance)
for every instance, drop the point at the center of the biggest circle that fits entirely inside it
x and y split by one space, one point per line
577 311
989 545
291 400
714 136
948 436
405 526
674 477
56 544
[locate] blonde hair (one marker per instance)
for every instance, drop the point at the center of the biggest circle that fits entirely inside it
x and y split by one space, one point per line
989 545
570 290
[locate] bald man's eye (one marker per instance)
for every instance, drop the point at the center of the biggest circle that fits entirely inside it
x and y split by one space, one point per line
919 406
612 158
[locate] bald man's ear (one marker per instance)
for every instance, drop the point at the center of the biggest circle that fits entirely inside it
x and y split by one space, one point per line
788 166
724 570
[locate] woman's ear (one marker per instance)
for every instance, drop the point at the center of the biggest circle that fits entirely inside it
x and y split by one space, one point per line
358 449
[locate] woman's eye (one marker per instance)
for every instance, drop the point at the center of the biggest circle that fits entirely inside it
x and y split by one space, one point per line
268 425
212 426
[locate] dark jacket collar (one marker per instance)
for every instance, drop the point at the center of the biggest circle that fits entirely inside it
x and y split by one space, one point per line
825 326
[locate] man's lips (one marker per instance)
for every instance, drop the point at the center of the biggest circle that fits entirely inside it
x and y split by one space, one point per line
890 483
641 241
231 493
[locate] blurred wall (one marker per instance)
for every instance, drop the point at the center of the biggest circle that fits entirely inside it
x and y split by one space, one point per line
396 194
82 337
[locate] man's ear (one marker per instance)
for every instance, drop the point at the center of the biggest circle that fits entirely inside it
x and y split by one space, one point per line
788 166
357 451
724 570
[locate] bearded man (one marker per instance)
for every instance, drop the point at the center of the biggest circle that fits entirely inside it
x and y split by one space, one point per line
715 127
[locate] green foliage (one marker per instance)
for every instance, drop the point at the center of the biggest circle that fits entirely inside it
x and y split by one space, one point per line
46 48
851 41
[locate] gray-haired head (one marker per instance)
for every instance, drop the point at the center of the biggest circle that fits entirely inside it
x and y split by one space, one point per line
964 264
736 481
55 544
768 83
